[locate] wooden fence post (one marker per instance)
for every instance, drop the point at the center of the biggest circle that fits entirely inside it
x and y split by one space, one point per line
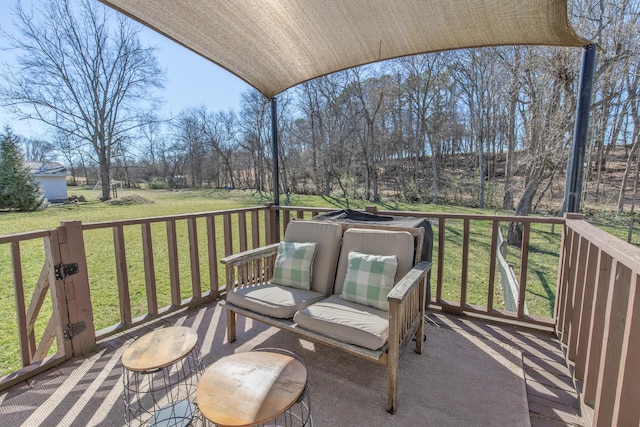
72 270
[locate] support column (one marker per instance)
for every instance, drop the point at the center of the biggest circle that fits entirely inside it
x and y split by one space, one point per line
276 166
575 164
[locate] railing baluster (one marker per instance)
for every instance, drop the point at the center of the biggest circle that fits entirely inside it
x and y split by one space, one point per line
612 349
18 287
596 333
174 265
255 230
626 411
465 264
242 231
149 269
269 221
586 310
524 263
566 311
122 275
493 255
194 256
214 282
441 224
579 280
562 277
228 234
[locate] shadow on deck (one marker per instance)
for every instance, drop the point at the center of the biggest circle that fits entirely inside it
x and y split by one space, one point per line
88 392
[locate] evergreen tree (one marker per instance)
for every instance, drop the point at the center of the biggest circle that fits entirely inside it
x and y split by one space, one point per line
18 189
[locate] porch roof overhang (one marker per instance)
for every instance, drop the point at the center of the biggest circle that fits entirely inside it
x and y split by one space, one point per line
276 44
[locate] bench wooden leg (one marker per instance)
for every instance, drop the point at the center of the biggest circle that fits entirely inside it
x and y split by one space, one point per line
420 331
392 386
231 326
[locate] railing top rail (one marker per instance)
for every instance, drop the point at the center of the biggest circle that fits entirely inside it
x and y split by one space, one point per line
29 235
623 252
138 221
445 215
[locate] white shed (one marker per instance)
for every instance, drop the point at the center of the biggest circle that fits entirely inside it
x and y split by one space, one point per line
52 178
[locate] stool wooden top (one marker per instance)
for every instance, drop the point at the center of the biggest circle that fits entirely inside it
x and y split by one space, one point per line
159 348
246 389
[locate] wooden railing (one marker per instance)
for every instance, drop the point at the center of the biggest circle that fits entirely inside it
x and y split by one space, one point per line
188 248
598 320
445 224
208 237
597 309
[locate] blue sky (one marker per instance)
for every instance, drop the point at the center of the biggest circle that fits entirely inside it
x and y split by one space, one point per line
190 79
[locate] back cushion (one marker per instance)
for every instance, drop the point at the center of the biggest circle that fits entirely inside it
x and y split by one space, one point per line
328 237
375 242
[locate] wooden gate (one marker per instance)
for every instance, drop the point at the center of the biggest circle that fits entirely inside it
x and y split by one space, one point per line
64 275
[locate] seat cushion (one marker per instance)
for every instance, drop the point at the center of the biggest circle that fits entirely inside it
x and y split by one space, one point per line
273 300
375 242
346 321
328 237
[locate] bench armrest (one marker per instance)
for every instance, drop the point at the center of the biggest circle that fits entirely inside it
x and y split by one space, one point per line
402 289
250 267
250 255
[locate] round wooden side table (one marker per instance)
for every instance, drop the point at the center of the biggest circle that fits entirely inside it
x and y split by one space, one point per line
254 388
160 376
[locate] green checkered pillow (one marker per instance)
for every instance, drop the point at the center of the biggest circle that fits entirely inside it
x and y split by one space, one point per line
369 279
294 264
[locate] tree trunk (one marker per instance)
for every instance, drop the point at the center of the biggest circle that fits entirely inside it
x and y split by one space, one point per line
434 171
481 173
104 177
514 237
625 176
507 200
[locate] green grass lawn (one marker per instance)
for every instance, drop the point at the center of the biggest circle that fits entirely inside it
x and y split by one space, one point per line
543 262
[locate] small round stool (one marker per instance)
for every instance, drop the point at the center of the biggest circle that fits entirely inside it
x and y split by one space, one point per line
160 375
255 388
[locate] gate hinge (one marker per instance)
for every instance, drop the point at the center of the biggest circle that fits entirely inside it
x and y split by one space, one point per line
74 329
63 270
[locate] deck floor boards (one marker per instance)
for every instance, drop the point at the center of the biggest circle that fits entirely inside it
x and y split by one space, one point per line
551 395
552 398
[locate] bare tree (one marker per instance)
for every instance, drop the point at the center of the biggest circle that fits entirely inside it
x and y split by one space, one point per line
255 117
633 100
82 71
368 95
421 89
37 150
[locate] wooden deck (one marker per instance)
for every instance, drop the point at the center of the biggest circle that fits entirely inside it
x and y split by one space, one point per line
88 391
552 398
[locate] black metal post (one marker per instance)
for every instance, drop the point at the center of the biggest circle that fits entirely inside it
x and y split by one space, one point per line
575 164
276 166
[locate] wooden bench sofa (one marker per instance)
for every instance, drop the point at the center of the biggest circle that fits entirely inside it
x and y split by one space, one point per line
323 313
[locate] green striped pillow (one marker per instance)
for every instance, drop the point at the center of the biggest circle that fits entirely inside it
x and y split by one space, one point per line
293 266
369 279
